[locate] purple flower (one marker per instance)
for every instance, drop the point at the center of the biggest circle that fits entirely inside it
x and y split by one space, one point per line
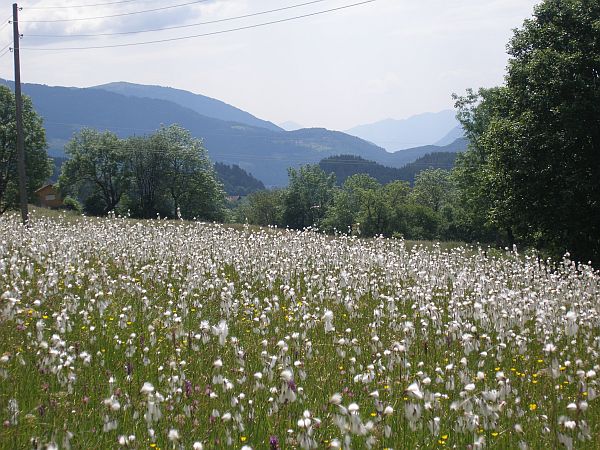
274 443
292 386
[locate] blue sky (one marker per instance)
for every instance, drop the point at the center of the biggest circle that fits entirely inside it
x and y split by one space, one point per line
386 59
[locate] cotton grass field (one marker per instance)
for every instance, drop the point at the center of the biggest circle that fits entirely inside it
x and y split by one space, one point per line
135 335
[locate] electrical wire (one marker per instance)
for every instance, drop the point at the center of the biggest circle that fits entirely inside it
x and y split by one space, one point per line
5 47
7 22
174 27
162 8
82 6
5 52
181 38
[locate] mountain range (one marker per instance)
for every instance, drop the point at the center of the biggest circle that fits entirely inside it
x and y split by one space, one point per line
231 136
416 131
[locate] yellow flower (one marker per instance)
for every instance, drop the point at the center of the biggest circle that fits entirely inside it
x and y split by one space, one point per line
243 438
532 406
495 433
444 437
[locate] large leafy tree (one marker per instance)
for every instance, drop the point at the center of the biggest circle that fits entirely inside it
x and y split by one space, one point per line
189 178
96 170
534 161
308 196
173 176
39 166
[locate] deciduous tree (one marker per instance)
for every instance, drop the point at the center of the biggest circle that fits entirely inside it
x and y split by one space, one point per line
39 166
535 152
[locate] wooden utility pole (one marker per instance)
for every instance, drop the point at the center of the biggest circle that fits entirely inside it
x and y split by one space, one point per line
19 101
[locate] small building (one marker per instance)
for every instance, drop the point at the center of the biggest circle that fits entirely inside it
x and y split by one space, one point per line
49 197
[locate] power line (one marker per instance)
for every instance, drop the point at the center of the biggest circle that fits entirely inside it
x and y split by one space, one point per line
5 52
7 22
181 38
5 47
175 27
162 8
82 6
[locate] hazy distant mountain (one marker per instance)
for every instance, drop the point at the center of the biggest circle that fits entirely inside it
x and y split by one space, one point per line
290 126
264 153
453 135
394 135
206 106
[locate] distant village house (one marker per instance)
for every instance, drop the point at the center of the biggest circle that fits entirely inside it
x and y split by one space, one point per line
49 197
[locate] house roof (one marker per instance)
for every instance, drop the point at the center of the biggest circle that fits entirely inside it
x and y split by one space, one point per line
43 187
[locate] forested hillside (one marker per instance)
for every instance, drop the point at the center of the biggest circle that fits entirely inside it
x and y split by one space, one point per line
345 166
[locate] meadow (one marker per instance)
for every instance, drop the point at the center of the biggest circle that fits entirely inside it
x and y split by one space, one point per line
127 334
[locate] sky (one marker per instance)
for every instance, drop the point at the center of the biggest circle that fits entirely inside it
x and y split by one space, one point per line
382 59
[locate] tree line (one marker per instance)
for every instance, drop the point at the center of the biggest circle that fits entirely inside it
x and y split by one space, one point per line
362 205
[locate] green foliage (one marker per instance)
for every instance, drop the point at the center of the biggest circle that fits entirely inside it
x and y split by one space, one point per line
72 204
262 208
38 165
533 167
361 206
433 189
308 196
167 173
236 181
95 171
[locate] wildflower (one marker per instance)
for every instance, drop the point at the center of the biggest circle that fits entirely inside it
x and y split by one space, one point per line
147 388
335 399
274 443
414 391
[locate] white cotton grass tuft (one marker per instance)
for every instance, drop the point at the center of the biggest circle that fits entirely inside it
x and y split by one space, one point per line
414 391
147 388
